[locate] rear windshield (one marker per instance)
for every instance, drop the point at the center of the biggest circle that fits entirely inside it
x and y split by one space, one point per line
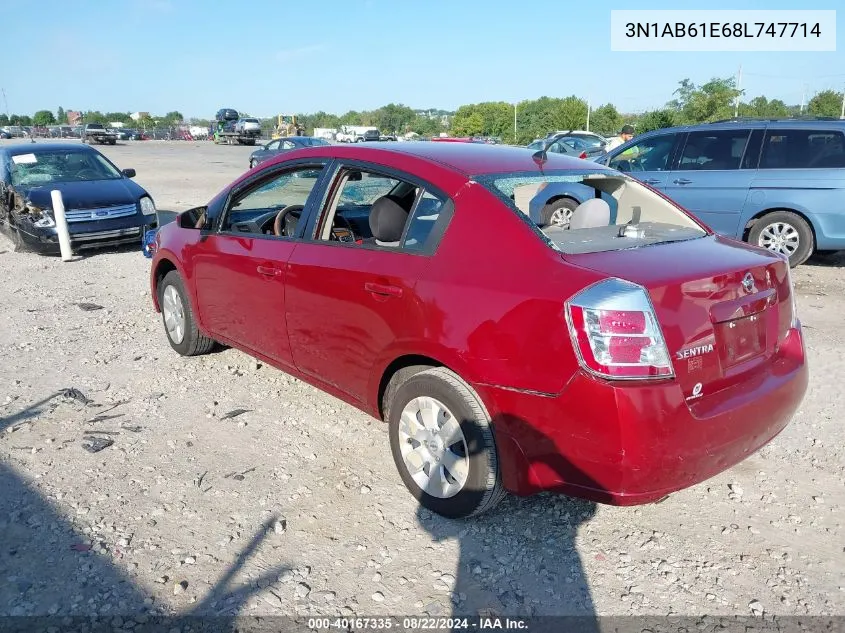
592 210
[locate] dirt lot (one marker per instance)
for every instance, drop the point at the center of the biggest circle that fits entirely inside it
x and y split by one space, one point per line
294 506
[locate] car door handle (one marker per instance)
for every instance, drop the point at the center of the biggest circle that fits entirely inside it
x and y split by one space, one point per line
268 271
383 289
652 181
682 181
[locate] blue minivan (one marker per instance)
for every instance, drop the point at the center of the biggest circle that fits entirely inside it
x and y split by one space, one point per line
779 184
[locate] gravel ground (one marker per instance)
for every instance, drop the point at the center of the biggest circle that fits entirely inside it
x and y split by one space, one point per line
293 506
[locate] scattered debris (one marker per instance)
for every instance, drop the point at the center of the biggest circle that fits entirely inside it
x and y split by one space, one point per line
239 476
89 307
280 526
198 480
234 413
96 444
73 393
132 428
180 587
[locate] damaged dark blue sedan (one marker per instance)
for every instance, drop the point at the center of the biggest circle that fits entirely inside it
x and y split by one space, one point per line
103 206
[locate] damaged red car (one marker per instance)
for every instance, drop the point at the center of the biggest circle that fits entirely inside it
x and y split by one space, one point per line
629 355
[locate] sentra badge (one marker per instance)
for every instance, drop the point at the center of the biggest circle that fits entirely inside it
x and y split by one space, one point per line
698 350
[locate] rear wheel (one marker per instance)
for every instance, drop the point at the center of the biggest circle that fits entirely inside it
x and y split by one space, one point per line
559 212
785 233
178 318
442 444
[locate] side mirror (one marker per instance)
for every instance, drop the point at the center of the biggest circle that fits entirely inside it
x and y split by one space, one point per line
195 218
355 176
129 173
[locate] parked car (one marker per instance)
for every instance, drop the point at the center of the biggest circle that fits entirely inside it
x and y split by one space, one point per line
281 145
778 184
103 206
590 138
248 126
4 134
569 146
615 360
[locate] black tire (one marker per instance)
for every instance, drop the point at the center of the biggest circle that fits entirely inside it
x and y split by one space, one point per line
483 488
193 342
552 207
791 220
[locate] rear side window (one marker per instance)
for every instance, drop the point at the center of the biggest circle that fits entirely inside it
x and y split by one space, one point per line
716 150
803 149
422 221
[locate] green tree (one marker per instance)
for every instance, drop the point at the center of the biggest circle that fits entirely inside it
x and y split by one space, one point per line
20 119
61 117
708 102
123 117
43 118
175 117
4 120
606 120
762 107
656 120
94 116
826 103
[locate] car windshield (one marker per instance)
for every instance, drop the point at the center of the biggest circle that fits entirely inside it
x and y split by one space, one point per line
611 210
41 168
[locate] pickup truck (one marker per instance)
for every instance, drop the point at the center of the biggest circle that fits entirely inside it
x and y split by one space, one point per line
97 133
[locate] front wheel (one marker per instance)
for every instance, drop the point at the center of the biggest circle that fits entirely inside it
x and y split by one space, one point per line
785 233
178 318
442 444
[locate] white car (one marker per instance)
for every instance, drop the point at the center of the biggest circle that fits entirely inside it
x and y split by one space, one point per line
248 125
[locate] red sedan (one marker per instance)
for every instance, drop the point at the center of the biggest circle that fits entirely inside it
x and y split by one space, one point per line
630 355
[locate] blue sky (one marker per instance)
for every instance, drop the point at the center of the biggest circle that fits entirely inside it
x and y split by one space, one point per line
162 55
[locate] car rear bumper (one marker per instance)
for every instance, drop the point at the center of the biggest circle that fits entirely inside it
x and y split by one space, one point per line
632 444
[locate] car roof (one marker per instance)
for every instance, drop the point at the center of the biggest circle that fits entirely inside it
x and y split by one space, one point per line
751 124
470 159
40 148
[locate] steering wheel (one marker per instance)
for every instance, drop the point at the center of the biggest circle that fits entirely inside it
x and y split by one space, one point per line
279 222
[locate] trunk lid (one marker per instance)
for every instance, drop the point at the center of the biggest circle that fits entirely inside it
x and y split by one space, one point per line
723 307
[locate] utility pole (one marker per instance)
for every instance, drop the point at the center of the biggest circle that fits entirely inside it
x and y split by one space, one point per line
5 103
803 99
842 112
514 122
588 114
738 90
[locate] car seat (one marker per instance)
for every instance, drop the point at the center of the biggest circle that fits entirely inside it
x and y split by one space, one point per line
590 214
387 221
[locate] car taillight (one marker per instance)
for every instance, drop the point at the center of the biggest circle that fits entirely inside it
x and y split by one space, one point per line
615 332
583 155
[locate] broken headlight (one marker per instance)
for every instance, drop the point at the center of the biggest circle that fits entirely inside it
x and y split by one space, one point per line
44 221
147 206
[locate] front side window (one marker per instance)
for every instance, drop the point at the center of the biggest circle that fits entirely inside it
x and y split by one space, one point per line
803 149
710 151
651 154
273 207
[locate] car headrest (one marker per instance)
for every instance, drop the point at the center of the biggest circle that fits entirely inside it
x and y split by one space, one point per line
387 219
590 214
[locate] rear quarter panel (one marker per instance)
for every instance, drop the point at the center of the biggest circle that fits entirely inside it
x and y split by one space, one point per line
493 298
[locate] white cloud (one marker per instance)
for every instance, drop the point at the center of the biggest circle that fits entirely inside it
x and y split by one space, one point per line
298 53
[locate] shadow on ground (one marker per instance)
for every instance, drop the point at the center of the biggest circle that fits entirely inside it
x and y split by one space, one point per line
521 558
